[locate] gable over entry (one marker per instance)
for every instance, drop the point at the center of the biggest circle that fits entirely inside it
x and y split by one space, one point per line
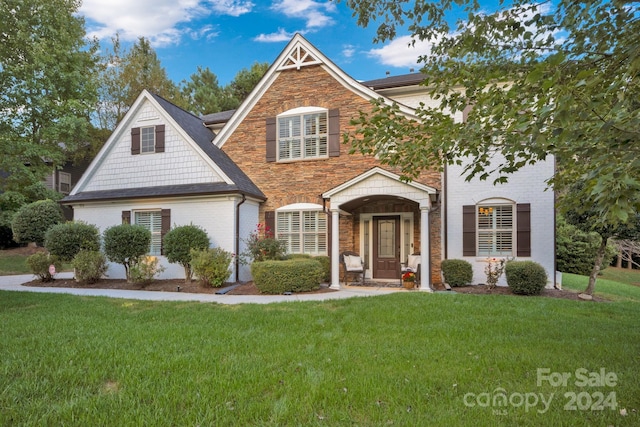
378 182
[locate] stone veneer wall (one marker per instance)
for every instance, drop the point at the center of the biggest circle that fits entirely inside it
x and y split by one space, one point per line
305 181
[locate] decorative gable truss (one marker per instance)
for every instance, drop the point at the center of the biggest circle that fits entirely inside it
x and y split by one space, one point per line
297 57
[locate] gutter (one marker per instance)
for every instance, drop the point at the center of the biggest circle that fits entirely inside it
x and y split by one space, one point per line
237 242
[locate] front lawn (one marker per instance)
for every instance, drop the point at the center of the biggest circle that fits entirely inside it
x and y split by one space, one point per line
404 359
614 284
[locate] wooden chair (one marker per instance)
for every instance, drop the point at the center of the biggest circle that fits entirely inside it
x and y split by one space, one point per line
352 264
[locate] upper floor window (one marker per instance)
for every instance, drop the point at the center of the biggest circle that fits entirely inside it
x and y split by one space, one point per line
148 139
64 182
302 136
303 133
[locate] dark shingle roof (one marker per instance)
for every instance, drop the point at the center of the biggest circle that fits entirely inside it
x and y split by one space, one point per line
202 136
221 117
395 81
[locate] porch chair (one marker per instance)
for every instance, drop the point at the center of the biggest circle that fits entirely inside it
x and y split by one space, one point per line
413 265
351 264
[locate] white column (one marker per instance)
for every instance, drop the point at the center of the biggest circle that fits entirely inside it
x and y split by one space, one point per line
335 249
425 262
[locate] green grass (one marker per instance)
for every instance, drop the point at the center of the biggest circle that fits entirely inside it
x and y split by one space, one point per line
13 264
614 284
404 359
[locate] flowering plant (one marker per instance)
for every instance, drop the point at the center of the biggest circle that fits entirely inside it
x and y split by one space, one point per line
409 276
262 246
493 270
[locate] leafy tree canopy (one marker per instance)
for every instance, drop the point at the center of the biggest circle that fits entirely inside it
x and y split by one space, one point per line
47 89
542 79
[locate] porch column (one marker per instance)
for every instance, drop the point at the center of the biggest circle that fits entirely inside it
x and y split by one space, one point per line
425 262
335 249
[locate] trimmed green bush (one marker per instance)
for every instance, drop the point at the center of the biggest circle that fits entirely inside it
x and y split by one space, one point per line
457 272
89 266
125 244
40 263
576 249
325 262
179 242
66 240
32 221
295 275
211 265
525 277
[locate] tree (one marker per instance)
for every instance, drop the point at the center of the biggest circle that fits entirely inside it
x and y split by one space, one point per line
47 88
31 222
179 243
204 95
125 244
246 79
542 79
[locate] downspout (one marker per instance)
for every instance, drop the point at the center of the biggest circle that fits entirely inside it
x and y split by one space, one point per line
237 262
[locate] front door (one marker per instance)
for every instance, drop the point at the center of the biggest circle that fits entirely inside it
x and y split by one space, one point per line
386 247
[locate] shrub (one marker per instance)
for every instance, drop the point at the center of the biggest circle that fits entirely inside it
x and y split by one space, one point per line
295 275
263 246
40 264
525 277
179 242
325 263
68 239
211 265
145 269
576 249
32 221
89 266
125 244
457 272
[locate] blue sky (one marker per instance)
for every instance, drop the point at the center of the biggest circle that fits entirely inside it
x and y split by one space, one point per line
228 35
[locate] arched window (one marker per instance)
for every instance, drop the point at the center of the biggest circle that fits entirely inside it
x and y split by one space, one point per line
303 134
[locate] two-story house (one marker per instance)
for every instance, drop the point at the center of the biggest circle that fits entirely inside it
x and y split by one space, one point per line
278 160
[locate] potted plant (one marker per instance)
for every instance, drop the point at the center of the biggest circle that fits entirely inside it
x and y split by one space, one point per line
409 280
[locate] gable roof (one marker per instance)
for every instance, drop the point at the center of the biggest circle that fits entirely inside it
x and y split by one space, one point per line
412 79
234 180
299 53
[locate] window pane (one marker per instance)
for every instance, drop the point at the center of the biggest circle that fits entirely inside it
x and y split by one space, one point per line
152 221
147 140
495 230
303 136
303 231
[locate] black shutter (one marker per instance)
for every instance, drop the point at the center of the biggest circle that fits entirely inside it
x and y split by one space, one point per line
135 140
271 139
126 217
334 133
469 230
159 139
523 236
165 226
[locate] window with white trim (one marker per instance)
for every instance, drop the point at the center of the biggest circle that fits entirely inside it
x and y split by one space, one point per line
495 228
148 139
303 135
304 231
152 221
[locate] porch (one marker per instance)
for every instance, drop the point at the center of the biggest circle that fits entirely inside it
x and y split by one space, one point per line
384 220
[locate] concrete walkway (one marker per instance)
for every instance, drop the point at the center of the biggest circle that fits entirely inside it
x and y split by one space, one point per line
14 283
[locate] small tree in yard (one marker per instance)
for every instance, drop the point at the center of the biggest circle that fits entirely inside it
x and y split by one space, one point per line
66 240
32 221
125 244
179 242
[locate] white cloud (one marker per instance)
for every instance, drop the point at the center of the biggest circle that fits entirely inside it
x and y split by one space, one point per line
316 14
279 36
400 52
161 21
348 50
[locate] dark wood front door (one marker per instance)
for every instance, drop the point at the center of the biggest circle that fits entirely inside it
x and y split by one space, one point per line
386 247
